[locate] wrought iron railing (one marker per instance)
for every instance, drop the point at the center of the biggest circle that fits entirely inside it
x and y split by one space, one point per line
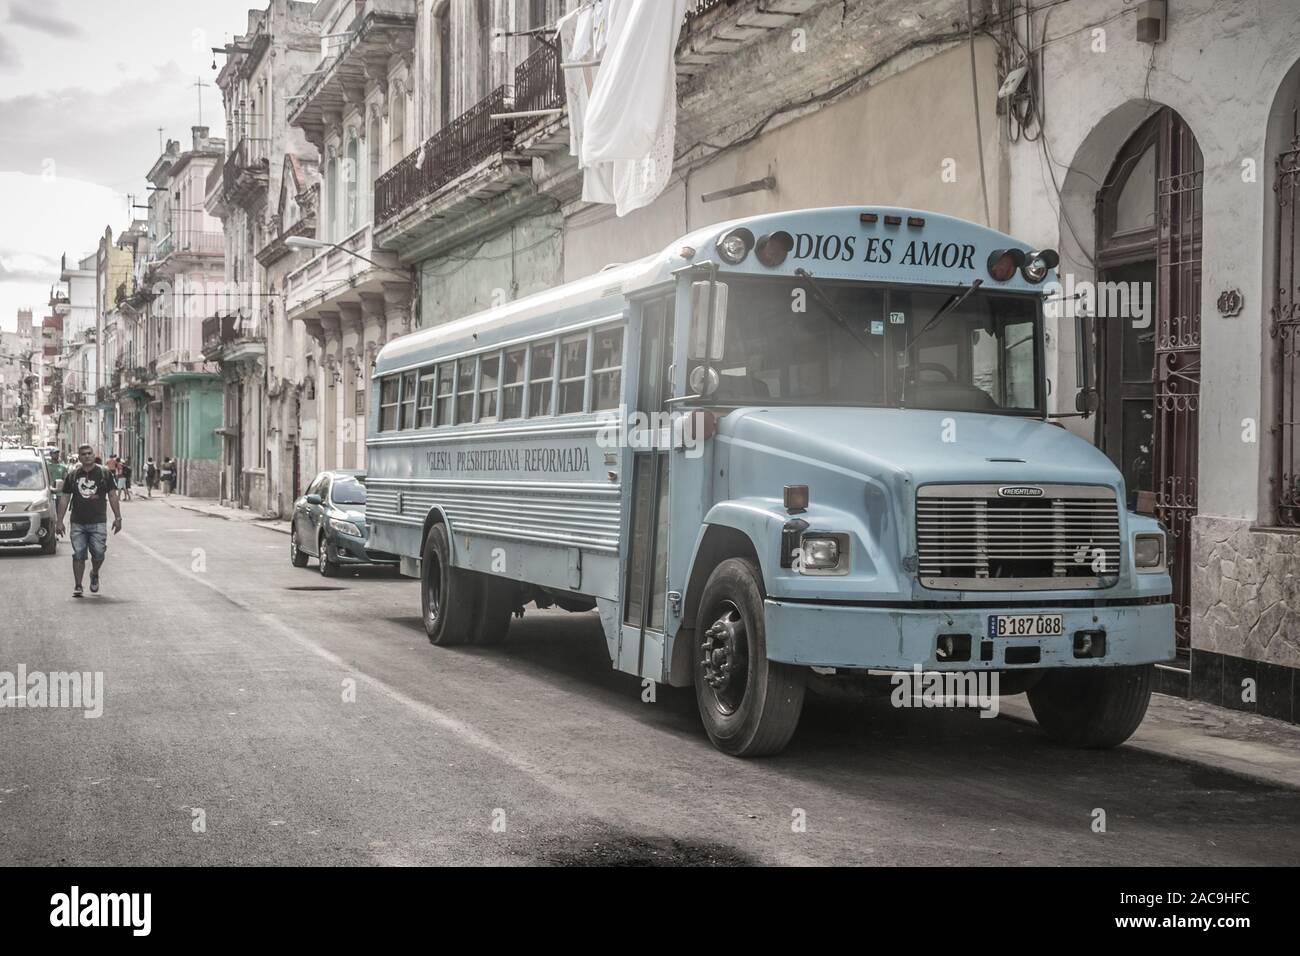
458 147
249 155
539 82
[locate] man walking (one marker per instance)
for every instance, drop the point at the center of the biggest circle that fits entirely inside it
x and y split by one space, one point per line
150 476
91 490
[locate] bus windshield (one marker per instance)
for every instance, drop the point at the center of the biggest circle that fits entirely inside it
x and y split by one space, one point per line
785 345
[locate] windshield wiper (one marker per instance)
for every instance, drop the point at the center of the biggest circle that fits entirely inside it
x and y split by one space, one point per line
836 316
952 303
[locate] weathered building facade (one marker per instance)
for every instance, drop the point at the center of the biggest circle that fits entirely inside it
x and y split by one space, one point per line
245 335
358 110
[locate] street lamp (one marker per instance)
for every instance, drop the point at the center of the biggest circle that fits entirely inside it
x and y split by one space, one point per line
305 242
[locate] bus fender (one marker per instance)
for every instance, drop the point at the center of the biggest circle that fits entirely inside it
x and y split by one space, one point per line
435 516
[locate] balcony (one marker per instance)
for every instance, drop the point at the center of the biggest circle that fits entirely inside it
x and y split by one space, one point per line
337 276
231 338
380 30
246 172
190 243
103 395
179 365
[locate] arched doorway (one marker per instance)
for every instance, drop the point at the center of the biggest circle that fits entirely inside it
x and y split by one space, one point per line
1148 257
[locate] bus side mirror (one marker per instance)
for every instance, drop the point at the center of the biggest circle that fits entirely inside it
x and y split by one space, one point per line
708 320
1086 399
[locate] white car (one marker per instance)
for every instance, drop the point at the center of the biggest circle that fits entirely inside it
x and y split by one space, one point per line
27 501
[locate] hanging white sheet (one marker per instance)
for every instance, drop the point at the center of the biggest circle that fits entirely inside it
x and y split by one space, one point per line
629 121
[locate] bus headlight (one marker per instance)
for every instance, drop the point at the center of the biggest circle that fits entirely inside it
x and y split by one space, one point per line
1039 264
345 527
735 245
822 553
1149 552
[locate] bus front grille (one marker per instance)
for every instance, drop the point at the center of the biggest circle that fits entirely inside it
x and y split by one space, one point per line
999 537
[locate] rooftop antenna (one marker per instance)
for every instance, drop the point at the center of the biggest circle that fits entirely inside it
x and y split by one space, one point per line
160 139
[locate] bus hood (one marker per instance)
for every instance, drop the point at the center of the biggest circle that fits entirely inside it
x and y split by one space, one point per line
897 446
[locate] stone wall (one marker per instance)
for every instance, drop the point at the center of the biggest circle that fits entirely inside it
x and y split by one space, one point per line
1245 591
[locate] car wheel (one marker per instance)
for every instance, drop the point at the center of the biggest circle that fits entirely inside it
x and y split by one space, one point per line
296 556
328 568
449 597
750 705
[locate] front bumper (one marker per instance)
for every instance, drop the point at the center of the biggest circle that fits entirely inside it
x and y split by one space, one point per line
34 529
836 635
349 550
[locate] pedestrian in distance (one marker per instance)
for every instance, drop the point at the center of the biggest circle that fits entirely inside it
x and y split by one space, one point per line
90 490
150 477
57 469
168 475
124 481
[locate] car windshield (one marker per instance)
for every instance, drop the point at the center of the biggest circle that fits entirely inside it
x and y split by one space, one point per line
348 491
785 346
22 476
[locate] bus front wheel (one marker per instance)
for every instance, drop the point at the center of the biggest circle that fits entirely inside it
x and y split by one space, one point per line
750 705
1094 707
449 597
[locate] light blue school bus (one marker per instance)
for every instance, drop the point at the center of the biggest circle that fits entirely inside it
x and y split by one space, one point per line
805 443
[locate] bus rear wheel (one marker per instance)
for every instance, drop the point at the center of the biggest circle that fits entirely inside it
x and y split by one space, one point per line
450 597
1094 707
750 705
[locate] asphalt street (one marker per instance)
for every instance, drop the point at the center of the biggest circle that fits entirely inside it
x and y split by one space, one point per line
304 720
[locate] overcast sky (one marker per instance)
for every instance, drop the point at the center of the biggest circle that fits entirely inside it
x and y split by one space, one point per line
84 87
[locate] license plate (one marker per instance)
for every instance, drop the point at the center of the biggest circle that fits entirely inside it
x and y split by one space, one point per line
1026 625
8 526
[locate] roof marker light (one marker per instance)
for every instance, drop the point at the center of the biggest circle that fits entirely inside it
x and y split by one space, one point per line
868 217
893 220
773 248
1003 263
916 221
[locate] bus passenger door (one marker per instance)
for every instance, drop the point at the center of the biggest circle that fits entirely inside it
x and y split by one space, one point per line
641 641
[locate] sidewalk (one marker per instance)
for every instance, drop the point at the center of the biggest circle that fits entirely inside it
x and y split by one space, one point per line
206 506
1258 748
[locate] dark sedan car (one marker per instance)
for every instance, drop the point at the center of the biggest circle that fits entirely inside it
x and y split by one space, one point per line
329 523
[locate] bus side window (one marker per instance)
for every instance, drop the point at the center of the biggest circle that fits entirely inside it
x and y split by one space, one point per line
408 400
606 369
465 369
446 385
424 406
573 374
488 378
512 384
541 379
388 404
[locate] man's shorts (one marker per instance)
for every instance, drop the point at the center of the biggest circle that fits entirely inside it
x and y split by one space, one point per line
88 537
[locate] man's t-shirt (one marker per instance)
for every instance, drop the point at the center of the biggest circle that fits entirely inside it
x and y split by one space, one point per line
89 491
58 471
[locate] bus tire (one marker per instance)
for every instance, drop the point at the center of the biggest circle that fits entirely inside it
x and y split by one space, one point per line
1092 708
498 605
449 597
750 706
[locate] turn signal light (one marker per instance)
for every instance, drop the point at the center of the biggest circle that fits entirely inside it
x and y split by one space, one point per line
1039 264
1003 263
735 246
